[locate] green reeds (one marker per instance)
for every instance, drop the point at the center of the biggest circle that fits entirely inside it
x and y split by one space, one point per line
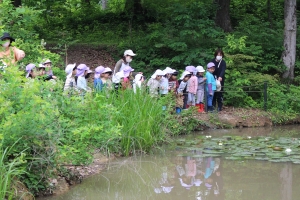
9 172
142 119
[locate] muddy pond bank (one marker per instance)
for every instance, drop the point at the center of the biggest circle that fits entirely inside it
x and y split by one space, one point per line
232 117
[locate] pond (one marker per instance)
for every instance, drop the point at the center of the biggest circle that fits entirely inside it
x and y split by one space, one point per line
181 172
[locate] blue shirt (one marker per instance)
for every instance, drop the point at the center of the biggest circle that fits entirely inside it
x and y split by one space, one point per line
210 79
98 84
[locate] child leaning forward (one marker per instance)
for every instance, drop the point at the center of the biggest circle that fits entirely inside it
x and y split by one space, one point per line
154 83
182 94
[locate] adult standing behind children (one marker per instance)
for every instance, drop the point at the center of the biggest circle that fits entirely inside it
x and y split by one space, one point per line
219 73
8 54
124 62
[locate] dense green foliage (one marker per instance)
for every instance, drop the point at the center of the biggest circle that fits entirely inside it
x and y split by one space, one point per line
56 130
173 33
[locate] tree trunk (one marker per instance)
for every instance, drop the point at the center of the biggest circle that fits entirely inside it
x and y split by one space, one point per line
269 13
104 4
134 7
290 31
223 16
17 3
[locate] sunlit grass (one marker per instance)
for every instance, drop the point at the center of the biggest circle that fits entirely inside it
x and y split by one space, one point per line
142 119
9 172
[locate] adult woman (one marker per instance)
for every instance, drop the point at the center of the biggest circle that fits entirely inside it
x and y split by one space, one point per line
124 62
219 73
8 54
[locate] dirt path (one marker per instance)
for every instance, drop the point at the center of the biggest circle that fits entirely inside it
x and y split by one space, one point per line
92 56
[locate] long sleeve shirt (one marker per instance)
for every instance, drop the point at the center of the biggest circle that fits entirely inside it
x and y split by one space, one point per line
120 65
220 68
154 87
192 85
164 83
98 84
81 83
70 84
182 87
210 80
201 83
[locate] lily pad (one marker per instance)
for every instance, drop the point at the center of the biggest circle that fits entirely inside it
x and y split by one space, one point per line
261 158
233 158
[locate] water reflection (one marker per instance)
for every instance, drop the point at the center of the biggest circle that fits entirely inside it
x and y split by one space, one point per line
286 176
190 177
203 175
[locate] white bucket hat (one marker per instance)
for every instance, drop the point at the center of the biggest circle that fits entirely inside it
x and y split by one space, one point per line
69 69
169 70
107 69
184 74
200 69
158 73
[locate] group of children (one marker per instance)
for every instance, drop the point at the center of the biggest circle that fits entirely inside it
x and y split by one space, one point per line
190 89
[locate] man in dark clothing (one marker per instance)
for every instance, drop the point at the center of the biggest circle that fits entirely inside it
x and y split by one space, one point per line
219 73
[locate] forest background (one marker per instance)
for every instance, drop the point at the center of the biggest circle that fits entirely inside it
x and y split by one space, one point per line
163 33
169 33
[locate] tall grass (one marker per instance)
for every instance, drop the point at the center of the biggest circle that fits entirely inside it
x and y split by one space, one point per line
9 172
141 117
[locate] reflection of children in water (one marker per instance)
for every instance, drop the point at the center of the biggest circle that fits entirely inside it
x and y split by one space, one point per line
187 172
202 176
193 176
165 182
214 181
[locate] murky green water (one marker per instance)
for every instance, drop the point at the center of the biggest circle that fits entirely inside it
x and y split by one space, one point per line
168 176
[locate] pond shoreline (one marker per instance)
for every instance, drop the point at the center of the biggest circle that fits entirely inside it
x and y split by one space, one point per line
229 118
232 117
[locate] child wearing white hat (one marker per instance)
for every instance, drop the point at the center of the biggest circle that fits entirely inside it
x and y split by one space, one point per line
48 66
70 83
154 83
164 82
192 86
137 83
200 88
182 93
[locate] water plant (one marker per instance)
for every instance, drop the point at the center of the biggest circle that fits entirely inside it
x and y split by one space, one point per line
282 149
